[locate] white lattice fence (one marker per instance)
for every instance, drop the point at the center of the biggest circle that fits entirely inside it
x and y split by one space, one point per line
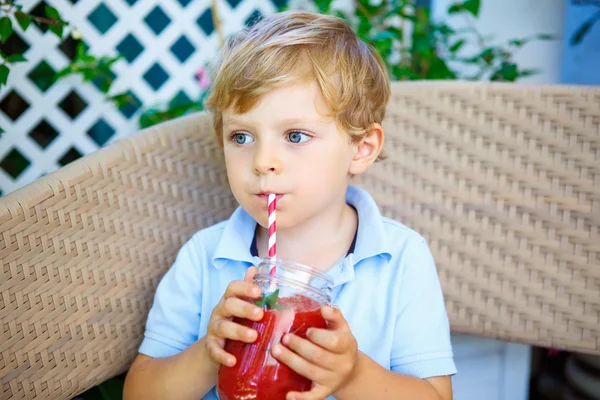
164 43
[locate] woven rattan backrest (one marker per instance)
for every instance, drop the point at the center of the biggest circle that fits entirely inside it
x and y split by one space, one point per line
503 180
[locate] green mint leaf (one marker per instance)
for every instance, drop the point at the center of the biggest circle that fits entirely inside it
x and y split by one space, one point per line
6 28
260 302
272 299
269 301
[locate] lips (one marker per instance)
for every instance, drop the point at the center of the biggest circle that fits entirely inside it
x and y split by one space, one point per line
265 196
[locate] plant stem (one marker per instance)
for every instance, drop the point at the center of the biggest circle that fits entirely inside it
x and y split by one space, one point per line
217 22
362 9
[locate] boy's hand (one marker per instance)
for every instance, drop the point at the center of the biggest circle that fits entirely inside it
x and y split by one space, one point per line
221 326
328 357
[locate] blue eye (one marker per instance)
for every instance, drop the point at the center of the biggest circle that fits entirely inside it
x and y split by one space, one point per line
298 137
242 138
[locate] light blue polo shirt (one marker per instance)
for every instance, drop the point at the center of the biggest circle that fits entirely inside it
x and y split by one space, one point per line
387 289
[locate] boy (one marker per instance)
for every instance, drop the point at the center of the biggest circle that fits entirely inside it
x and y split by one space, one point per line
298 102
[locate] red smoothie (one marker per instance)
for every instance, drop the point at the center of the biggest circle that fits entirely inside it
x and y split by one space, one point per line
256 374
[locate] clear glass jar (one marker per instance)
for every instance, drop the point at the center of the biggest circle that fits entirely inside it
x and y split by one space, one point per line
293 307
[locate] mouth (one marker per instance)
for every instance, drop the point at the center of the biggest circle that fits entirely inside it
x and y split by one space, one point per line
264 196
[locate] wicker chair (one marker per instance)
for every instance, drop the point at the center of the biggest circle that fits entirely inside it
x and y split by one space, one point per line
502 179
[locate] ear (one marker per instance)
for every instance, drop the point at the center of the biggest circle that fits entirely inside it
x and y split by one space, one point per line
367 150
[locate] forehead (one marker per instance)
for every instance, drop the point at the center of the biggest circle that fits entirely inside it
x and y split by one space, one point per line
301 101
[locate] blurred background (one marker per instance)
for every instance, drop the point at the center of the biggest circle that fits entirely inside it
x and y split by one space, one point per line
76 75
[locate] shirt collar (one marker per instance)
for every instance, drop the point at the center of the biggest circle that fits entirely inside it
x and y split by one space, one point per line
236 240
371 240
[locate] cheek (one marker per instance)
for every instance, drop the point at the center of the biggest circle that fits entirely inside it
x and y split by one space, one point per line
329 164
235 169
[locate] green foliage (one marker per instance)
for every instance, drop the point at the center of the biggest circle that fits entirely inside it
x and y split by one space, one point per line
269 301
585 28
416 47
8 9
412 45
90 68
6 28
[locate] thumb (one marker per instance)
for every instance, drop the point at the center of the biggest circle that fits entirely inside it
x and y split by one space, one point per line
335 319
250 272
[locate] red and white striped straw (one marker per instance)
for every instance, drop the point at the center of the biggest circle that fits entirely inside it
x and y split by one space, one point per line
272 206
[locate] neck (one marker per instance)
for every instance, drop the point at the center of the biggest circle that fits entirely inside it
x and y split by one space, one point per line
319 242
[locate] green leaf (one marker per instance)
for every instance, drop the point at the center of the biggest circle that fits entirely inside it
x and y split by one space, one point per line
446 30
81 49
508 72
6 28
584 28
4 71
24 20
269 301
68 70
456 8
523 41
457 46
323 5
105 82
528 72
546 36
487 56
16 58
52 13
121 99
57 30
518 42
472 6
89 74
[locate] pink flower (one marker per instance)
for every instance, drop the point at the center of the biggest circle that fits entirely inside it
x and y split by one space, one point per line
203 78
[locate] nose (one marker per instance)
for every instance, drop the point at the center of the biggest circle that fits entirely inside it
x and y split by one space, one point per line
266 159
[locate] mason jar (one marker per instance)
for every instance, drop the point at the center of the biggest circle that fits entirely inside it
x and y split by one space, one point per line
291 299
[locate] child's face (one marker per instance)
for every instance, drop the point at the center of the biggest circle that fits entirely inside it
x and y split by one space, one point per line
289 146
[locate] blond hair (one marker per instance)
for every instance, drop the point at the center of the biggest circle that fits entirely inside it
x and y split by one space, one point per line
295 45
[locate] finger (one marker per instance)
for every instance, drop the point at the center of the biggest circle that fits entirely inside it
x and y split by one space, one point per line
316 393
242 289
300 365
218 355
235 307
227 329
310 352
337 342
250 272
335 319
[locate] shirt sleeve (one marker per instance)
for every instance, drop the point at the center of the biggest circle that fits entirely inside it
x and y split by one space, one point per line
174 319
422 346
